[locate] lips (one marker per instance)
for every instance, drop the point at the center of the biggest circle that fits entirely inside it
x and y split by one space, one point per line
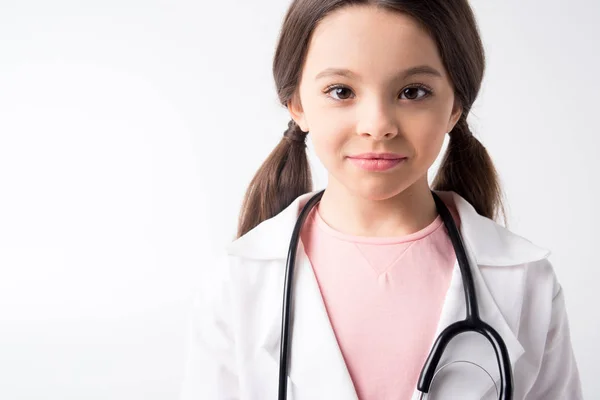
378 156
376 164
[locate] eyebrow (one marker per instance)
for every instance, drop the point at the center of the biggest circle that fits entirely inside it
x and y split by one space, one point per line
421 69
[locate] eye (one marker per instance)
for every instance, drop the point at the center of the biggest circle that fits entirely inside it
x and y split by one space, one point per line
413 91
339 89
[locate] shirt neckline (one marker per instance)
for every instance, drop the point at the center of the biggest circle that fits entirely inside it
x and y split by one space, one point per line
321 224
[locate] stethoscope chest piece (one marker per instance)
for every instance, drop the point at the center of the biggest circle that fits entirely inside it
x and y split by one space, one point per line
446 374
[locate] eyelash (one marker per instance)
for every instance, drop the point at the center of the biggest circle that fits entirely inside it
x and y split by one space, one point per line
427 90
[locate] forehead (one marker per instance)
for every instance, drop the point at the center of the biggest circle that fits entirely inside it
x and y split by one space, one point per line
371 41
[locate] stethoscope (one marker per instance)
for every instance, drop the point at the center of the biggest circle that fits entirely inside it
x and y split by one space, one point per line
471 323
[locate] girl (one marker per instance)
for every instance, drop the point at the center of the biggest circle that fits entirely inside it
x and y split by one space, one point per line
378 84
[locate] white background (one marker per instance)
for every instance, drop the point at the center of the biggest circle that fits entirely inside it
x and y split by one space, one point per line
129 131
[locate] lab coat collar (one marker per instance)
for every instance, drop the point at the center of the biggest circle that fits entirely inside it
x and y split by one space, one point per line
491 243
317 368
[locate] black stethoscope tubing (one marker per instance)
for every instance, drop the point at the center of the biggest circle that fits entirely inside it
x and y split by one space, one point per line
472 321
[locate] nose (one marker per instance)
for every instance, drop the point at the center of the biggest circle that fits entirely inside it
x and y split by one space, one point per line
378 120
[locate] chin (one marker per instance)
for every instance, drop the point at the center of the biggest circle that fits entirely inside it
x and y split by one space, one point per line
377 191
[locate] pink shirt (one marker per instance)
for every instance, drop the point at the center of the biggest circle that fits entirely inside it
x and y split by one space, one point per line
384 296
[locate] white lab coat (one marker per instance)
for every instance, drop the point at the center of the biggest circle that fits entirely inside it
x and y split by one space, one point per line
233 352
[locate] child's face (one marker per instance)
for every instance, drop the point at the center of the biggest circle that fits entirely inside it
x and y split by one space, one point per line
379 110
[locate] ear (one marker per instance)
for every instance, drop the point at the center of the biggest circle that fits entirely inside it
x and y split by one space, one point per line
297 113
455 116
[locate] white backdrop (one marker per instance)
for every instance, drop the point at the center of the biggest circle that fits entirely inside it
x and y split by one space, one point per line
130 129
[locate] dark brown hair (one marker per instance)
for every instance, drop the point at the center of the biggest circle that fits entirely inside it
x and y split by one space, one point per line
466 168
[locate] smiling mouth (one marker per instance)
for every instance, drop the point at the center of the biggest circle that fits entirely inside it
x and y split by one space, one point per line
378 156
376 164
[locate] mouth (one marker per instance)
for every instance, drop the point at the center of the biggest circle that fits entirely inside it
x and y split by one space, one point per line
377 164
377 156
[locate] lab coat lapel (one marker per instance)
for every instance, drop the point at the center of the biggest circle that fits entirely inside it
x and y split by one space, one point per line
316 366
489 246
461 377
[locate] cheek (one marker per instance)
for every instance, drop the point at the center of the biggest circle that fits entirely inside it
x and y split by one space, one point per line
328 145
329 136
427 140
430 141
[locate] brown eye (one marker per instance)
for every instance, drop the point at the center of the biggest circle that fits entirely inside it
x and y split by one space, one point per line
340 91
412 93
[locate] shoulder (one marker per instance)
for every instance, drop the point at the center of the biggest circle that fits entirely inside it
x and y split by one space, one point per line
522 285
542 272
240 277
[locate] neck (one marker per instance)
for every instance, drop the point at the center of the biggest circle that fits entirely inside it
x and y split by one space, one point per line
399 215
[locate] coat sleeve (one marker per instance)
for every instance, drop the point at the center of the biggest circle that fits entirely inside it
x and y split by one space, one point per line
558 376
210 368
